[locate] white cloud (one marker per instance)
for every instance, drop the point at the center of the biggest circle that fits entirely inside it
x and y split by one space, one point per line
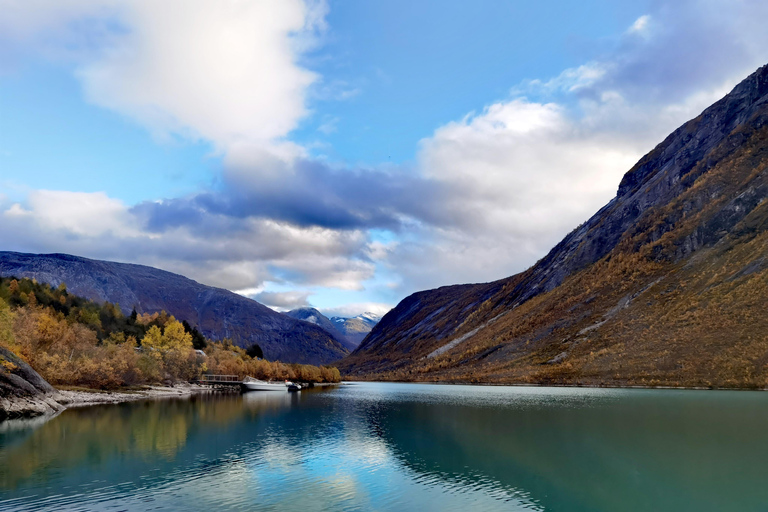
641 25
83 214
524 172
283 301
215 250
225 71
490 194
354 309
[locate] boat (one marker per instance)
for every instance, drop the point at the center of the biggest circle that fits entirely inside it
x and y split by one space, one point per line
251 384
292 386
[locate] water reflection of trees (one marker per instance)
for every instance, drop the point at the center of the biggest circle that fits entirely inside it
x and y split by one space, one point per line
149 431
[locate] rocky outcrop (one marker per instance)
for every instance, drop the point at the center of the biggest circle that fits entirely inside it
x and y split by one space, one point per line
23 392
217 313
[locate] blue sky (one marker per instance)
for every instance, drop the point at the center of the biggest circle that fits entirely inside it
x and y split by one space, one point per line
341 154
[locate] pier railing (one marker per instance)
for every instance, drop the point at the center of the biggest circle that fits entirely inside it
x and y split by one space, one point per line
219 379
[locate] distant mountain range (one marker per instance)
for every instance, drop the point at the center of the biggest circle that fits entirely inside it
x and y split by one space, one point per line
666 285
217 313
348 331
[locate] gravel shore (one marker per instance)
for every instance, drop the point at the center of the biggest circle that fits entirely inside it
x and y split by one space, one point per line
82 398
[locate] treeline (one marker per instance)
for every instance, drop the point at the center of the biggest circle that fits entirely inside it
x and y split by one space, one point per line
70 340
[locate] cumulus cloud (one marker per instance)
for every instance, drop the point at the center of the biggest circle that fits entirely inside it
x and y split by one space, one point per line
283 301
79 213
316 194
218 250
225 71
488 194
527 170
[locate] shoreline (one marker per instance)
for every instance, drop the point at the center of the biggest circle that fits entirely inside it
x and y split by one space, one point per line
558 385
71 398
53 403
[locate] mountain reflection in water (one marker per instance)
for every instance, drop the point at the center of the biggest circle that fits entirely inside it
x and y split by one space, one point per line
373 446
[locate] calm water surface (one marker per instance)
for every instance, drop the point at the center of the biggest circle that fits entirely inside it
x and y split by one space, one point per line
396 447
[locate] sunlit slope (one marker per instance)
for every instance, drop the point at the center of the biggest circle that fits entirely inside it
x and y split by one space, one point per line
666 285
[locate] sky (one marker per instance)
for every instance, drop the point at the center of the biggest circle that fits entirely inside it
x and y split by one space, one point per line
342 155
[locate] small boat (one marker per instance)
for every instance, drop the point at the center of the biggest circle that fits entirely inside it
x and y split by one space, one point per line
251 384
292 386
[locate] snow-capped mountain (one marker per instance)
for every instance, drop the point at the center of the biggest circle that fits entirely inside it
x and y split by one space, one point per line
349 331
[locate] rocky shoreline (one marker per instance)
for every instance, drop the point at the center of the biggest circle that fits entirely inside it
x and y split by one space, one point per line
25 394
13 407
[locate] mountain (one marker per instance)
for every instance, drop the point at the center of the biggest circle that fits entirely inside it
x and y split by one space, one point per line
348 331
666 285
314 316
217 313
356 328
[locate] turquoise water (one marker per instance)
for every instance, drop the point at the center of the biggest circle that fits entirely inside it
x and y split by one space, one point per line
395 447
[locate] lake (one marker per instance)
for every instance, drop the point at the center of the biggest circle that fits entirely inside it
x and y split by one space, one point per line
396 447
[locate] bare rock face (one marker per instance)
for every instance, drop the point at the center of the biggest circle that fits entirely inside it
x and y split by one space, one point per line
23 392
217 313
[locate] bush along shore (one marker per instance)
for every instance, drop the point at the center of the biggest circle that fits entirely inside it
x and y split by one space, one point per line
50 337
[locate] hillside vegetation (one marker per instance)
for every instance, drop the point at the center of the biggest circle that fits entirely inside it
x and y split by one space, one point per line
70 340
667 285
219 314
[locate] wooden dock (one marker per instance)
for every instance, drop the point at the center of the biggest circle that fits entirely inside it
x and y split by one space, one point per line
220 380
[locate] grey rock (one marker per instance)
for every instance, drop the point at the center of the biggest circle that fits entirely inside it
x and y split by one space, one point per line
23 392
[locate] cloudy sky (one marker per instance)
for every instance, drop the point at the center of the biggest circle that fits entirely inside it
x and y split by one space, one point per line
342 154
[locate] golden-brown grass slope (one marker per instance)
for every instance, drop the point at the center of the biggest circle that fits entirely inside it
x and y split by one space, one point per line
666 285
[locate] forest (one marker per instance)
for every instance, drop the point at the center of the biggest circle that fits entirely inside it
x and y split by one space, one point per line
72 341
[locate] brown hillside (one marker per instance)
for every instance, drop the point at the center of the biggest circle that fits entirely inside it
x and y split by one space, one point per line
666 285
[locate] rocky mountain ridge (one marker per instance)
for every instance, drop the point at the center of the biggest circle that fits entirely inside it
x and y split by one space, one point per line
662 283
348 331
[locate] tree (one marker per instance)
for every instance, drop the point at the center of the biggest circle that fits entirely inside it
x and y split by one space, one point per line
7 338
198 340
176 337
255 351
152 342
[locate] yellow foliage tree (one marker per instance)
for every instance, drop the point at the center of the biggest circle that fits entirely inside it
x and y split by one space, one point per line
7 339
173 348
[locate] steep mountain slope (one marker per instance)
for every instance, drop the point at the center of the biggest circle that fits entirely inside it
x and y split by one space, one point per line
665 285
216 312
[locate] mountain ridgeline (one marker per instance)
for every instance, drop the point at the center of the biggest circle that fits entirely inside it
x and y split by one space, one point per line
666 285
347 331
217 313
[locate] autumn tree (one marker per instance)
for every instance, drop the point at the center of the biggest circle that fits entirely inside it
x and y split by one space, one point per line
7 339
174 348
